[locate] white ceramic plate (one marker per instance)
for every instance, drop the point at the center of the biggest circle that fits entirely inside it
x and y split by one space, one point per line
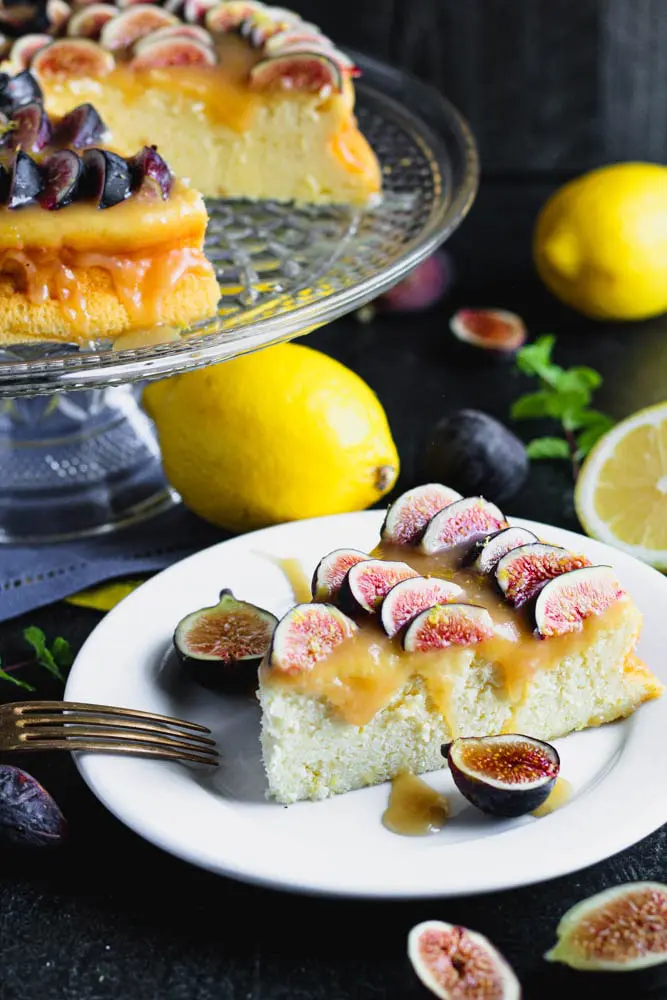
219 818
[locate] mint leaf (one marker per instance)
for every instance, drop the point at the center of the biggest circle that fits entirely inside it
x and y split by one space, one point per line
4 676
62 653
535 358
36 638
532 406
565 406
548 447
579 379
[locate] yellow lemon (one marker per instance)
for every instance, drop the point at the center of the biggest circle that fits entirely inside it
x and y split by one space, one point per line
600 242
621 491
284 434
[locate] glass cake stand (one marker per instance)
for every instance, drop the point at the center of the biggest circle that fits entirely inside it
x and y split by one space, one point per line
78 456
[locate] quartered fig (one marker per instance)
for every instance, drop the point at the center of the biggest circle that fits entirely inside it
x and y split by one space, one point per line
294 34
148 163
32 131
409 597
106 178
25 48
221 646
80 127
174 52
490 550
134 23
367 583
409 515
58 13
15 91
476 454
194 11
446 625
303 71
29 817
26 182
455 963
174 31
73 57
306 635
489 329
566 601
622 929
332 570
507 775
61 176
89 21
460 523
523 571
221 17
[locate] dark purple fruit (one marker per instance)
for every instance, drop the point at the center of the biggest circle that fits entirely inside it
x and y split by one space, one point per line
106 178
507 775
79 128
462 523
564 602
28 815
447 625
32 128
222 646
455 963
331 572
26 182
409 515
149 164
523 571
491 550
423 288
368 583
489 329
15 91
409 597
20 17
306 635
476 454
61 176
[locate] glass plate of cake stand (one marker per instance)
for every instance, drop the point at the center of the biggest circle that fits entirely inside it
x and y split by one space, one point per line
78 456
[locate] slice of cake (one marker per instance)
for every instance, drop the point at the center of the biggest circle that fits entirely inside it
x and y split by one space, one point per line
92 244
457 624
244 99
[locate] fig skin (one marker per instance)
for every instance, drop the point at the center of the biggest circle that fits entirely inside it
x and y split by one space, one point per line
456 963
29 816
461 524
493 793
408 516
410 597
476 454
355 598
425 286
331 571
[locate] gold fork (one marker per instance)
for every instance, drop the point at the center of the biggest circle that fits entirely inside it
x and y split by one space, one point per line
73 725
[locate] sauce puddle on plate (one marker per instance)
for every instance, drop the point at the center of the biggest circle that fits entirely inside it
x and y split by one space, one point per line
296 578
415 809
560 795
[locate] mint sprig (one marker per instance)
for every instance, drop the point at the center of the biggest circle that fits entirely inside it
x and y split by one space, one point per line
54 658
564 395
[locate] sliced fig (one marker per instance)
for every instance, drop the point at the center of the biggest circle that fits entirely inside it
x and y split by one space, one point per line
306 635
409 597
221 17
15 91
73 57
106 178
424 286
79 128
58 13
149 164
24 49
134 23
490 329
506 775
194 11
331 571
174 52
460 523
455 963
491 550
523 571
26 181
174 31
295 35
622 929
566 601
89 21
29 816
409 515
304 71
443 625
61 176
222 646
32 128
367 583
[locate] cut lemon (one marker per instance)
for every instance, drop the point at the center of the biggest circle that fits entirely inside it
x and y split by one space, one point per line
621 491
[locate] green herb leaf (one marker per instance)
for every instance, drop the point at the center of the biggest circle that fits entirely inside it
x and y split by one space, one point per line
548 447
532 406
62 653
535 359
36 638
4 676
579 379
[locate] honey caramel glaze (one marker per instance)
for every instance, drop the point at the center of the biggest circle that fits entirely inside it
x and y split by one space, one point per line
559 796
414 809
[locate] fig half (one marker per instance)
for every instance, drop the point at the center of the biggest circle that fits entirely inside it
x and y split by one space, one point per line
409 597
408 516
306 635
447 625
221 647
455 963
367 583
463 521
507 775
523 571
564 603
331 571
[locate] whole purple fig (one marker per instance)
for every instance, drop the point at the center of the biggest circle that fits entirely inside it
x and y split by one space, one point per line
28 814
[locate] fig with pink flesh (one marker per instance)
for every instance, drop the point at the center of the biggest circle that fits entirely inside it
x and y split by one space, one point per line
408 516
306 635
455 963
491 550
409 597
32 128
301 71
332 570
506 775
73 57
89 21
566 601
446 625
462 522
133 24
175 51
489 329
523 571
25 48
367 583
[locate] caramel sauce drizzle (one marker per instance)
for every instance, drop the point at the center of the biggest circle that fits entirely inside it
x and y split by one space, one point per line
414 809
560 795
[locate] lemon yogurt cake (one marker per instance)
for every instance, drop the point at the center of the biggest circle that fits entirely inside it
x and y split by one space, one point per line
457 624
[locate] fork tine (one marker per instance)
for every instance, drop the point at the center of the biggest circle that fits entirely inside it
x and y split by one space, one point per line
117 746
110 732
28 722
79 706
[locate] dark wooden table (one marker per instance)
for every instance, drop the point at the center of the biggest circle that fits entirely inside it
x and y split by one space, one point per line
111 916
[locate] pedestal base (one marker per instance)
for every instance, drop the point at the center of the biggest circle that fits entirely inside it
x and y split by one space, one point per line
77 464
